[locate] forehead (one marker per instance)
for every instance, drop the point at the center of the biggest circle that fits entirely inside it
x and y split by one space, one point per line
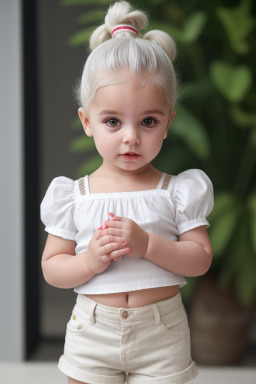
128 86
122 77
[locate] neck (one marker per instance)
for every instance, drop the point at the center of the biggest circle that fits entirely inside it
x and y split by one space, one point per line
109 170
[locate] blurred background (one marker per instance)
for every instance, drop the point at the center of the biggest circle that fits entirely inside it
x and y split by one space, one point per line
44 44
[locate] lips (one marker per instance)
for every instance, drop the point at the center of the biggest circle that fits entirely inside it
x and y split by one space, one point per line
130 156
131 153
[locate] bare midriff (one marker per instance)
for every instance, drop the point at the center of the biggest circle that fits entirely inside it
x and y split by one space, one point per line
136 299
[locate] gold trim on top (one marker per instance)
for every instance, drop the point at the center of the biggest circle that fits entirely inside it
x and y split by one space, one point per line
166 182
81 186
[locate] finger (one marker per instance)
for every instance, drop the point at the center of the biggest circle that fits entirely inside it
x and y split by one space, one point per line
110 247
118 253
115 254
112 217
112 231
112 224
107 258
107 239
98 234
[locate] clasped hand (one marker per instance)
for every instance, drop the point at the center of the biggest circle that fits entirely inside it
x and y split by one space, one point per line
116 237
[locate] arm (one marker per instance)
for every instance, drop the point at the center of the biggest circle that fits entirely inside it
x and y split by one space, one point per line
190 256
63 269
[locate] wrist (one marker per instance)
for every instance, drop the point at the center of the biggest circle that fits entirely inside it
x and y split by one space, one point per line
88 264
149 246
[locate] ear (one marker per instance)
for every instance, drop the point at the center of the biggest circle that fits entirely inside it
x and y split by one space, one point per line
85 122
172 115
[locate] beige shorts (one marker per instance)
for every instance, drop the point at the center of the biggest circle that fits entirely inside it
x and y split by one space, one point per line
149 344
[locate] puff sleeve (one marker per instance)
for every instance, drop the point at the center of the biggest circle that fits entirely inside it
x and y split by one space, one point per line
193 196
57 208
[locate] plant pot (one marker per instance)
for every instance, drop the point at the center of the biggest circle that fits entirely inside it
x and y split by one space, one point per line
220 325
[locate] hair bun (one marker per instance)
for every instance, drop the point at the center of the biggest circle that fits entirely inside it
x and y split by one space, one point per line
119 13
165 41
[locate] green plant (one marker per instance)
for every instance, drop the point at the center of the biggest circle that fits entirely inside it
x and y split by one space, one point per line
215 125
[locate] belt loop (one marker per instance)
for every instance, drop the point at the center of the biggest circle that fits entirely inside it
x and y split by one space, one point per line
157 314
92 312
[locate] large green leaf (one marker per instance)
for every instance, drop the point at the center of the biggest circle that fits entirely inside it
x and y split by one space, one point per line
241 117
82 144
167 27
239 263
196 89
224 219
76 124
91 17
90 166
191 131
233 82
193 27
187 290
190 31
238 23
253 137
252 209
81 37
246 282
245 262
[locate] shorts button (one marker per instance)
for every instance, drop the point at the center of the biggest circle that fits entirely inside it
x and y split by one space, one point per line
125 314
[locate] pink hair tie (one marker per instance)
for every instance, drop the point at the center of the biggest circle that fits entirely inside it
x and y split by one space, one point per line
123 28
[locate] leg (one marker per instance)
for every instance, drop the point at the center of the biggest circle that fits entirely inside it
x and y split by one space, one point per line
73 381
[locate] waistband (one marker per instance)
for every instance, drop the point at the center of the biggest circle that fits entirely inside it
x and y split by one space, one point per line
154 310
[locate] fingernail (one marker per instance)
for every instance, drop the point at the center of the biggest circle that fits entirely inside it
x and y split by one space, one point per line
103 226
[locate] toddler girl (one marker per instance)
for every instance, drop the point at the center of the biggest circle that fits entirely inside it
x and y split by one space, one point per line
124 236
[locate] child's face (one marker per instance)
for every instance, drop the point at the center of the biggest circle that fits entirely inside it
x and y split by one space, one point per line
130 116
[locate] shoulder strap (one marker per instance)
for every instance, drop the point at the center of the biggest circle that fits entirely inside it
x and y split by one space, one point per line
81 186
166 182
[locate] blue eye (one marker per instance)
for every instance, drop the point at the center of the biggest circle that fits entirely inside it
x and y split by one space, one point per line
113 122
149 122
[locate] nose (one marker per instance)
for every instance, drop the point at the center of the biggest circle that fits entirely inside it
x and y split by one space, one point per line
131 135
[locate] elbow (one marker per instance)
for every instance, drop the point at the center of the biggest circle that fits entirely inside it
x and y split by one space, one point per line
47 274
52 277
202 265
206 262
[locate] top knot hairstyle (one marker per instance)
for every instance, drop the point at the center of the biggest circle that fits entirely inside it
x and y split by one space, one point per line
118 45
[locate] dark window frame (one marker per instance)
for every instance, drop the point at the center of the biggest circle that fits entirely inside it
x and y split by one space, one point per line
31 176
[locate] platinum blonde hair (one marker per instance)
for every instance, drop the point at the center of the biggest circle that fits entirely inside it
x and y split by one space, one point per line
151 54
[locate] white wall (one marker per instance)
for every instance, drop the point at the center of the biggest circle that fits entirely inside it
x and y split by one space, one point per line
11 184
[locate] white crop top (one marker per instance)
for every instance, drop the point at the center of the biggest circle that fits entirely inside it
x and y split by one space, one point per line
178 204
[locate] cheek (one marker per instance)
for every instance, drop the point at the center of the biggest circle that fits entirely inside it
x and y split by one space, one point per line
155 143
103 143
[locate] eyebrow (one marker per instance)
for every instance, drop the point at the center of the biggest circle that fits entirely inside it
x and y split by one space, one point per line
154 111
108 112
151 111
